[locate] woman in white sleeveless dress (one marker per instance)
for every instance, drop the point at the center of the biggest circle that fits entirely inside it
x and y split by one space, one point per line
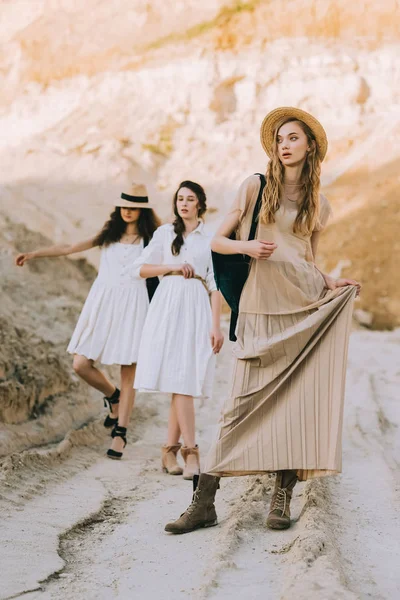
182 332
110 326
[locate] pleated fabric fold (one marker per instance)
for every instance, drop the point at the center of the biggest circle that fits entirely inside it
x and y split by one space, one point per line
285 410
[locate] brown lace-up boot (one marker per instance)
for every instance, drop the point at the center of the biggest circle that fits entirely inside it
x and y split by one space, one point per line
201 512
192 464
279 511
169 461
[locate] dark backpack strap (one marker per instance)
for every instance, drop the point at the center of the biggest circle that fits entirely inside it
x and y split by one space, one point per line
257 207
151 282
252 235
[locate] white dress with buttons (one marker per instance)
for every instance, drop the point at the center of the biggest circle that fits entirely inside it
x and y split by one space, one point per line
110 325
175 355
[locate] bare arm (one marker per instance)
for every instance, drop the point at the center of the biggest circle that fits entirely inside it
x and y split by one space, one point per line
54 251
148 270
217 338
223 245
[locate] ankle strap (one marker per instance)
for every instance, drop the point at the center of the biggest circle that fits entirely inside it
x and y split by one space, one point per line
119 431
114 399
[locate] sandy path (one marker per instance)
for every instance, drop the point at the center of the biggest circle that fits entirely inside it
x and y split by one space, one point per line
87 527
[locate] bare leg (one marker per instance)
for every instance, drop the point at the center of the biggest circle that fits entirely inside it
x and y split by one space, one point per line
95 378
126 401
174 431
184 407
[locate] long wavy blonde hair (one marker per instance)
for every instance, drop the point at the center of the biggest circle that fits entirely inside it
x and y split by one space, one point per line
308 212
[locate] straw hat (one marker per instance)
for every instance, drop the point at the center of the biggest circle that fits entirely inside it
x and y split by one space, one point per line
135 197
272 119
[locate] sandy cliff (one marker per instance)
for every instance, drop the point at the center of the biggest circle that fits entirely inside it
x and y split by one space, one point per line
96 96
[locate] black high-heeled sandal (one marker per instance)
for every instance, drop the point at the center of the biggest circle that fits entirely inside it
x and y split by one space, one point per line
117 432
114 399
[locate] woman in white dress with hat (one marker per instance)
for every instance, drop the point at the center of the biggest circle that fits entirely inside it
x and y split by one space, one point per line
182 331
111 322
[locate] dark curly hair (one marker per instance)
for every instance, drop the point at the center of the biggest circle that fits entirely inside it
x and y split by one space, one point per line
179 225
115 227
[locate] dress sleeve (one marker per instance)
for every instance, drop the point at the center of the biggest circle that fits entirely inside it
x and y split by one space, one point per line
325 212
248 188
210 281
153 254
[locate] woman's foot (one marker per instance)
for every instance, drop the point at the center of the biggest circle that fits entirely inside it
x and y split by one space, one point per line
112 402
279 511
201 512
169 461
192 461
118 444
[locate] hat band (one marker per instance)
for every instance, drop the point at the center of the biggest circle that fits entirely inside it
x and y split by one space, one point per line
142 199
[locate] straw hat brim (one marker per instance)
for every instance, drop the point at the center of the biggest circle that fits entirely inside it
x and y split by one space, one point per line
272 119
127 204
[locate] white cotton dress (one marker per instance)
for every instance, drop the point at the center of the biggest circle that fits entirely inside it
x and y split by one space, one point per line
175 353
111 322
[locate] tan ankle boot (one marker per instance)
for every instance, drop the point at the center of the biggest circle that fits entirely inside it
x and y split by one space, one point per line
279 511
169 461
201 512
192 464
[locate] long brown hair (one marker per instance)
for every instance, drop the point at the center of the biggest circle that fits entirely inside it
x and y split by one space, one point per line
115 227
308 213
179 225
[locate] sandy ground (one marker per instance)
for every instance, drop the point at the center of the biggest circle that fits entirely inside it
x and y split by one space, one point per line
77 525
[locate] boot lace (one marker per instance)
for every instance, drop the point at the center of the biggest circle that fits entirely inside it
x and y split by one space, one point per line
193 504
280 501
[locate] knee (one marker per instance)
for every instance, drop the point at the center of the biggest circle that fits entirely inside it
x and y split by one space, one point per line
80 365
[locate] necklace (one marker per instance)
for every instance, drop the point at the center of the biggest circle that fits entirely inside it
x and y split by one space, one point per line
135 237
294 188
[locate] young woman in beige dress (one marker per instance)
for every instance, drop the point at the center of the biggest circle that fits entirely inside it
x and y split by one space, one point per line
284 413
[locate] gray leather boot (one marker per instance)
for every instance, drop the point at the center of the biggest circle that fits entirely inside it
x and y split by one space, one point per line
279 511
201 512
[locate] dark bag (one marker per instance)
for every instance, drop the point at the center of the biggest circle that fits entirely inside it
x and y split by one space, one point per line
231 270
151 282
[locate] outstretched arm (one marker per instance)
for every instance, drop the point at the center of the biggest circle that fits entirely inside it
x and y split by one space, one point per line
54 251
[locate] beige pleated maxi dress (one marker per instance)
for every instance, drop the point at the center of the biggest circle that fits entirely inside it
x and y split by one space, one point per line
285 409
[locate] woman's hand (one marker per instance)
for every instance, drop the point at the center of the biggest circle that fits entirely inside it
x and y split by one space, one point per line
259 249
21 259
186 270
217 339
333 284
